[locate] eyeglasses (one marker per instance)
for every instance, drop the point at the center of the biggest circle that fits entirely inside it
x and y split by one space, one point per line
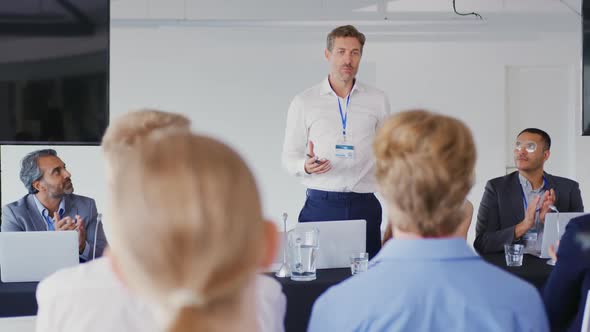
529 146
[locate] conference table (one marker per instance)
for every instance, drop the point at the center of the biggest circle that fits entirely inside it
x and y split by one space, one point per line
18 299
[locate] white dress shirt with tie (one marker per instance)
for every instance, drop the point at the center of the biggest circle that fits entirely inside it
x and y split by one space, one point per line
314 116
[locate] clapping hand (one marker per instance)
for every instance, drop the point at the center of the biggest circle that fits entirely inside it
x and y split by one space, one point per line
64 224
68 224
548 201
529 216
81 228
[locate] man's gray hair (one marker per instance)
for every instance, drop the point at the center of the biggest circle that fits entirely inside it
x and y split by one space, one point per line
30 171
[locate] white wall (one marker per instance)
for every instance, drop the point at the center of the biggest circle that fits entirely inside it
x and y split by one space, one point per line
235 83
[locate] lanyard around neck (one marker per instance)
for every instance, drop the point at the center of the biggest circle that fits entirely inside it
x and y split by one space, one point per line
343 115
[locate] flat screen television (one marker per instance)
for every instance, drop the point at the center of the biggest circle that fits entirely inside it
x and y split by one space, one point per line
54 71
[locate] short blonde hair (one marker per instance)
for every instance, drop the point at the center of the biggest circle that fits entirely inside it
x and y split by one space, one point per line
134 125
425 168
187 220
130 129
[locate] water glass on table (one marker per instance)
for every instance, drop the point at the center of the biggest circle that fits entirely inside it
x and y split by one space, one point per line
303 250
359 262
513 254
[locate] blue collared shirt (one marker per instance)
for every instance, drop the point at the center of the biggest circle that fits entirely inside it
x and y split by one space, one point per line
529 193
45 212
430 285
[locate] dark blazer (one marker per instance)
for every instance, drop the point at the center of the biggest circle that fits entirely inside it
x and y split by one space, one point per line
23 216
501 208
568 284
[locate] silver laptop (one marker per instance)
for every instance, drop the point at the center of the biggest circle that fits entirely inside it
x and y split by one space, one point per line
338 240
550 230
32 256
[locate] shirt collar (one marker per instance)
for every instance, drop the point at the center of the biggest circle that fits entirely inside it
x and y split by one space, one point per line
425 249
527 186
43 210
325 87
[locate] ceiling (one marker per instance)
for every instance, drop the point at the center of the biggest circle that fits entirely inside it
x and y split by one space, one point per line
378 17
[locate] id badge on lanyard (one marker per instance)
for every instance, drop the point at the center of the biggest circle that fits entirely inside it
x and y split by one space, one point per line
344 148
532 234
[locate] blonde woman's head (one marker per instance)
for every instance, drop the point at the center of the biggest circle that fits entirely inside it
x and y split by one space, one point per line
425 168
187 226
132 128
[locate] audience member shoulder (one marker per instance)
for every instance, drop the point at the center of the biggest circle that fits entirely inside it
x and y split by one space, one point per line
512 284
504 178
269 284
18 203
94 274
80 197
503 181
563 181
580 224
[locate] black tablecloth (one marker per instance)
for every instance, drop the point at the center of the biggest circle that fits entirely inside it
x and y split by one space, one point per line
18 299
302 295
534 269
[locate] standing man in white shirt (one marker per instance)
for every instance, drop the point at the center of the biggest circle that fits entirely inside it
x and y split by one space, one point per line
329 136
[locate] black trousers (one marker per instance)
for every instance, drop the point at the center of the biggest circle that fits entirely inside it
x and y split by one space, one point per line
328 206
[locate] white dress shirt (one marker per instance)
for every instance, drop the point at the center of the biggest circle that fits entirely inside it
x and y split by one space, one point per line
89 297
314 116
271 304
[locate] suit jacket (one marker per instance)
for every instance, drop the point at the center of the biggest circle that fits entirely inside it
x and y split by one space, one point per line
501 208
23 216
568 284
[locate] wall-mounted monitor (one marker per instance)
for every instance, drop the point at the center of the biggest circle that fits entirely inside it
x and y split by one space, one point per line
54 71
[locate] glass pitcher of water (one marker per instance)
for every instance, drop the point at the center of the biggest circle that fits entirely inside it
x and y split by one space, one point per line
303 245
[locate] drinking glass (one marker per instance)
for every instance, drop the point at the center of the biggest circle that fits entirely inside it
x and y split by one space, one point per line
303 250
513 254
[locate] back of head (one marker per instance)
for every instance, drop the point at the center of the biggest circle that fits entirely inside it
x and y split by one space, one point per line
425 168
134 125
187 226
131 129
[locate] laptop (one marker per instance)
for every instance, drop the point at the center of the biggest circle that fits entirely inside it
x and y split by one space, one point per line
550 232
338 240
32 256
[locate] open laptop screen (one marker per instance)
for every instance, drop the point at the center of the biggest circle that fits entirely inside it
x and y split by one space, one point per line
32 256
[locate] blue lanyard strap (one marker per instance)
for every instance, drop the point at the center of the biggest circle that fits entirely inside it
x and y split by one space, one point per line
526 204
343 116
